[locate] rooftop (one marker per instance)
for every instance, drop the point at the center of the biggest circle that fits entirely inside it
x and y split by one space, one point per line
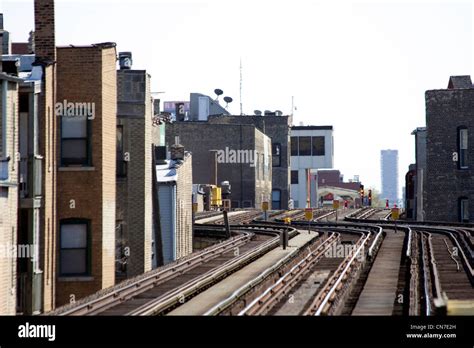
311 127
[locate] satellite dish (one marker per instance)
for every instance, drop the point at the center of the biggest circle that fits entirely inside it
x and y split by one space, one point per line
227 100
257 112
279 113
218 92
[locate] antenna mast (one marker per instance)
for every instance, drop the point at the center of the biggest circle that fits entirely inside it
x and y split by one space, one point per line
241 112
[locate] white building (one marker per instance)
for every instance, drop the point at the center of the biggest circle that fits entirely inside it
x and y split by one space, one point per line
312 148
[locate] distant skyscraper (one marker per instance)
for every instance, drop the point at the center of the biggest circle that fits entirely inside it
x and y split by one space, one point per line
389 166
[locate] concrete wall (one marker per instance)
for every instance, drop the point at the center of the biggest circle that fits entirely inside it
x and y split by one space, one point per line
313 163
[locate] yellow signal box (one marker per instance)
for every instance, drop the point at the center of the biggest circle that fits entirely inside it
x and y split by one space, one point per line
216 196
395 213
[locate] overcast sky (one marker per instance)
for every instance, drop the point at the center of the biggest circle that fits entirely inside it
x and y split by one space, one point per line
362 67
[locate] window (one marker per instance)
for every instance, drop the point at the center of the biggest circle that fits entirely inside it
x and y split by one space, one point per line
121 163
318 146
294 177
276 199
276 155
463 209
462 147
294 146
304 146
74 244
75 141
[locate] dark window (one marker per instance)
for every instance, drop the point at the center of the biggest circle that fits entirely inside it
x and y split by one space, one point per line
276 155
304 146
120 252
294 146
294 176
318 146
121 163
75 141
276 199
74 247
463 209
462 147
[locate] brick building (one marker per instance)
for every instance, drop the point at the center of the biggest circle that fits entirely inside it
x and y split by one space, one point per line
449 189
87 112
174 194
243 158
134 172
277 128
419 174
36 278
9 87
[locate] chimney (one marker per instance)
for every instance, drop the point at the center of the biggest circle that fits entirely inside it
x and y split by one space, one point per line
45 43
177 151
125 60
31 42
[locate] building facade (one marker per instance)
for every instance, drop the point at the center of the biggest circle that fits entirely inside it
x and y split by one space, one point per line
174 195
312 148
419 178
449 188
9 180
87 112
36 136
134 173
242 153
277 128
389 175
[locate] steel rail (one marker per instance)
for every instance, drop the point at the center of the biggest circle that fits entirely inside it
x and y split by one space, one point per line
282 282
159 275
189 289
334 287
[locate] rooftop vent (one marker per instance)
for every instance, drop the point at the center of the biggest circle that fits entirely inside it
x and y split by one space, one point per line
125 60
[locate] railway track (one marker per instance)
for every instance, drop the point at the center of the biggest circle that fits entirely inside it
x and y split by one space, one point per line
165 288
427 264
445 267
322 259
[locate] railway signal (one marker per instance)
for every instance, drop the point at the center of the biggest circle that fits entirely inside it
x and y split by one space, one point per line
265 209
370 198
308 214
361 190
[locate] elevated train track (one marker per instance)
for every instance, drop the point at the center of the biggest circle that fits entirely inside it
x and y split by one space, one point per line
435 262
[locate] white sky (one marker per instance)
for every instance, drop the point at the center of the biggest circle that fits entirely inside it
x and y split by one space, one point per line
362 67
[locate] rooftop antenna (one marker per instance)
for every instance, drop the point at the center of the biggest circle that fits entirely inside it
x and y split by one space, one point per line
241 112
228 100
218 92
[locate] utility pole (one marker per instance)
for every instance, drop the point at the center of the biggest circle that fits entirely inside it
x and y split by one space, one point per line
241 110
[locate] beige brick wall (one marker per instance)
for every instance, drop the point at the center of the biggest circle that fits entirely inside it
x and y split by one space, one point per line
47 148
9 207
109 126
184 232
